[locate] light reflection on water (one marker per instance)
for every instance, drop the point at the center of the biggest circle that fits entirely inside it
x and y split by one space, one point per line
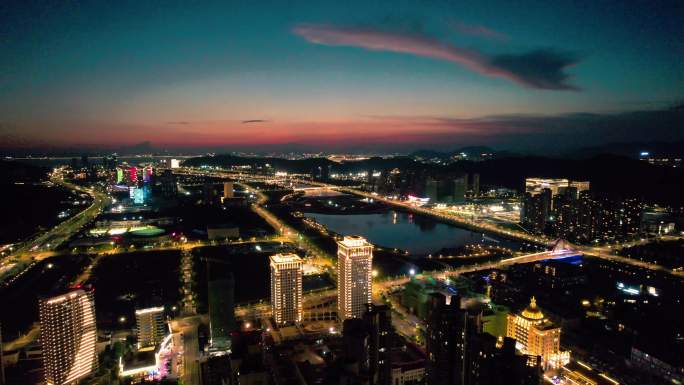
417 234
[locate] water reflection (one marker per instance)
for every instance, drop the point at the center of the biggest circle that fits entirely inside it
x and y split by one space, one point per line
418 234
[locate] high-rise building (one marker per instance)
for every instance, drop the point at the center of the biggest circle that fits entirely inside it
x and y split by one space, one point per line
85 162
536 335
221 296
492 361
147 174
445 341
579 185
459 189
368 344
378 322
169 187
119 175
460 353
132 175
476 185
446 189
286 288
565 213
228 190
68 334
536 210
354 276
150 325
432 189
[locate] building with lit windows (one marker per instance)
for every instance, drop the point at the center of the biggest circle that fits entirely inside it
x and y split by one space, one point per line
537 336
354 276
151 327
68 334
286 288
535 186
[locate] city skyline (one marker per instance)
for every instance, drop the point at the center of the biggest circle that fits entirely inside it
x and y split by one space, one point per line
309 192
340 77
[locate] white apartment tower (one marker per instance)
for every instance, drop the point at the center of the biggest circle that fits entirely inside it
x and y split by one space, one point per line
151 328
354 276
286 288
68 334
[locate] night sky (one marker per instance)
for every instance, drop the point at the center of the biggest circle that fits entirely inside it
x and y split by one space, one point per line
340 75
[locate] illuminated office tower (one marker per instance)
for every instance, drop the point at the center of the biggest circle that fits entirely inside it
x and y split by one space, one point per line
133 175
150 324
119 175
354 276
148 172
286 288
68 334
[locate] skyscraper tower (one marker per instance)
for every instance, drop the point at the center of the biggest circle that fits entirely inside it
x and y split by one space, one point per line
221 293
68 334
286 288
354 276
150 324
378 322
445 341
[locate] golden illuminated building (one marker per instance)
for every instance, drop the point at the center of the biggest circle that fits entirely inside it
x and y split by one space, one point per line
286 288
536 335
354 276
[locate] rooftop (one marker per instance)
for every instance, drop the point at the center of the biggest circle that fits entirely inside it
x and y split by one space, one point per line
532 312
354 241
285 258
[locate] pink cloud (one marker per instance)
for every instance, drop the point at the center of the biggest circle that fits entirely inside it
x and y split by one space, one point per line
479 31
539 69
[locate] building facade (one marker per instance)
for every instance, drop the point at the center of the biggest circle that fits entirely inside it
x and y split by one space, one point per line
286 288
354 276
221 296
150 325
535 335
69 335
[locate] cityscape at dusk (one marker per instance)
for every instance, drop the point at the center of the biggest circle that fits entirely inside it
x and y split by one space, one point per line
425 192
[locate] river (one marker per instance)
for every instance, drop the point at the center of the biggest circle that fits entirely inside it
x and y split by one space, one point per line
419 235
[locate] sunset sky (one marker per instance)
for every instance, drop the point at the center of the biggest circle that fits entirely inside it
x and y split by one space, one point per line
340 75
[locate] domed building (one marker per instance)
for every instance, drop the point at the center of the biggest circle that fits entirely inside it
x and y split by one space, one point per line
536 335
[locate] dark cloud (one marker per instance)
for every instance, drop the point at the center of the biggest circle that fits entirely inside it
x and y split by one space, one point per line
538 69
254 121
178 123
542 68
